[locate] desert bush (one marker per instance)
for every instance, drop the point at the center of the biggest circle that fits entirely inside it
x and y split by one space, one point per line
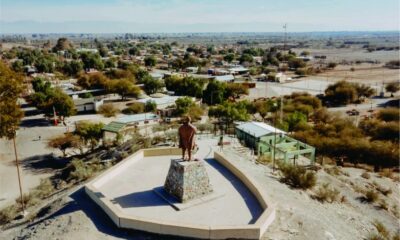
8 214
384 191
396 236
296 176
382 230
134 108
334 171
386 173
108 110
325 193
383 204
29 199
264 159
82 171
389 114
44 189
371 196
366 175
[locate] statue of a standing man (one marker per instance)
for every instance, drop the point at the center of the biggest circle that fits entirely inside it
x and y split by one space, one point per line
187 138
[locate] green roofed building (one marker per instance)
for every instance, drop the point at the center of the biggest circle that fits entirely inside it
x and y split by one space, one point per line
268 140
111 130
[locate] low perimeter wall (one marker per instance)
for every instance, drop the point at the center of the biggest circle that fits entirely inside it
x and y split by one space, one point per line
250 231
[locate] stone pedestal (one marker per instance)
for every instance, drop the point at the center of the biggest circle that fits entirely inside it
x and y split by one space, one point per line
187 180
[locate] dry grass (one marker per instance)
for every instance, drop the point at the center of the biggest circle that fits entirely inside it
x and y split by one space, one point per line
366 175
383 204
382 230
334 171
371 196
325 193
264 159
8 214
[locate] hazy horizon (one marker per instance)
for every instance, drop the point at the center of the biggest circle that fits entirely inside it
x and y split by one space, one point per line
184 16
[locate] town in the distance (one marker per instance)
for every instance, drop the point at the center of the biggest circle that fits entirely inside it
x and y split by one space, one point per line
293 135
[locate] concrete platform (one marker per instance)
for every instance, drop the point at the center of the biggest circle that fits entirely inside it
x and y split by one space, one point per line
132 191
238 208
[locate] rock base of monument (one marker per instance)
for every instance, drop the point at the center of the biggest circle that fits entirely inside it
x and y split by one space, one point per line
177 205
187 181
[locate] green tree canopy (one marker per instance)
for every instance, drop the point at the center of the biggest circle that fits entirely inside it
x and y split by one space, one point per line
11 88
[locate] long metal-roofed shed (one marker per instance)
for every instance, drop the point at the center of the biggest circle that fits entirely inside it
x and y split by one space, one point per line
250 133
268 140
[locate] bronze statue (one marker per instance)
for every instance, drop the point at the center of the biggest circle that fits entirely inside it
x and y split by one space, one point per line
186 138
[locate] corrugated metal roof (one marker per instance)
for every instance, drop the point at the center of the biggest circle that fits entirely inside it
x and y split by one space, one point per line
225 78
258 129
137 118
114 127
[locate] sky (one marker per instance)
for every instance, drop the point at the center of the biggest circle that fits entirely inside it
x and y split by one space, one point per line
119 16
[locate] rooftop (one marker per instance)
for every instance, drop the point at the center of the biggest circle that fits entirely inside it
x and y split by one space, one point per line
137 118
258 129
114 127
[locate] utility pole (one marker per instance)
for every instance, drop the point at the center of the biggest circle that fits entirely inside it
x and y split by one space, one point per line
19 176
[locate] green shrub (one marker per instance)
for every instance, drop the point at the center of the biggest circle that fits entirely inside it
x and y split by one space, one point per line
297 177
325 193
82 171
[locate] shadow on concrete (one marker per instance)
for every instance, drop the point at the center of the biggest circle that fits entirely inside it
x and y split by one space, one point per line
140 199
37 122
40 164
81 202
251 201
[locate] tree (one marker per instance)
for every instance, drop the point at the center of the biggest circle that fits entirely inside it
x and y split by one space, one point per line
246 58
195 112
363 91
92 60
393 87
152 85
296 63
228 112
261 108
150 61
187 86
235 90
11 88
108 110
134 51
124 88
93 81
182 105
150 106
73 67
62 44
64 142
214 93
229 57
91 133
341 93
294 119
